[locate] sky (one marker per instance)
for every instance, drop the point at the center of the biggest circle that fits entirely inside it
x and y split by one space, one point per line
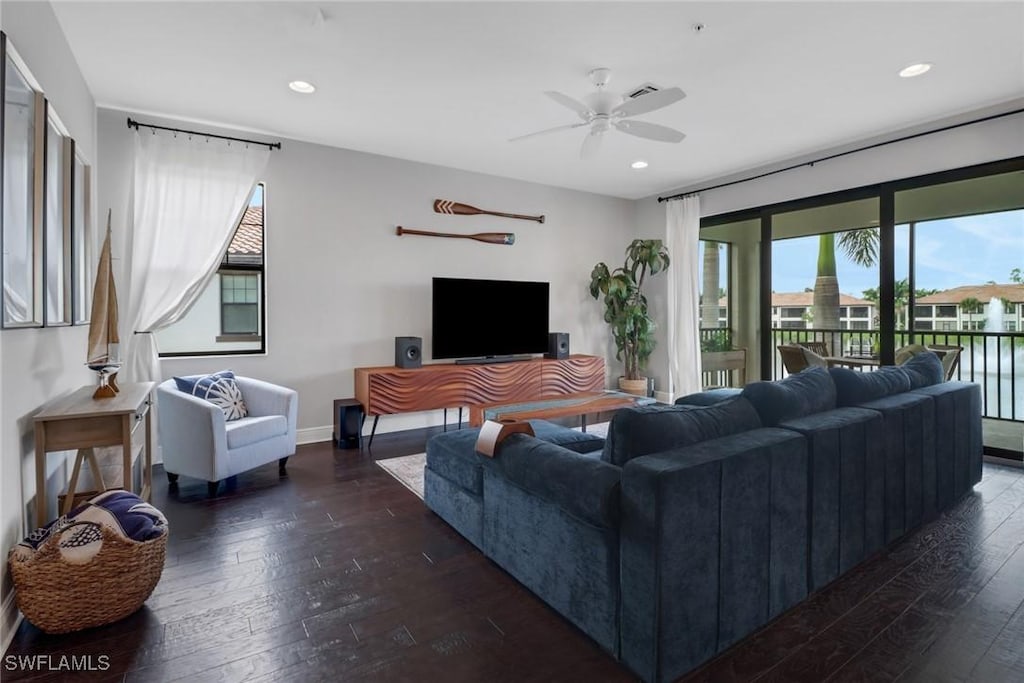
950 252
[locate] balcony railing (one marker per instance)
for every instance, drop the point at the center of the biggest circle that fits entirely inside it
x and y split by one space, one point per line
995 360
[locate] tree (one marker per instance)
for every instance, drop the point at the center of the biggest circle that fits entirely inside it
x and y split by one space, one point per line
861 247
1017 276
901 290
971 305
709 302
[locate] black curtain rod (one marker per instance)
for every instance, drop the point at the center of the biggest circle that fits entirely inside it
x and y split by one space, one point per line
842 154
136 124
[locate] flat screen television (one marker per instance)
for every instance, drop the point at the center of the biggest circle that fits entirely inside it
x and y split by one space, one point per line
488 318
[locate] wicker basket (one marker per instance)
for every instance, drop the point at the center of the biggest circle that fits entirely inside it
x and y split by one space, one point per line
60 597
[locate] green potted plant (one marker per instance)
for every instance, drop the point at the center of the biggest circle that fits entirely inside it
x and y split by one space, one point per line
625 307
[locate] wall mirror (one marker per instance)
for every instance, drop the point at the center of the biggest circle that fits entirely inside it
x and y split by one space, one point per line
20 234
81 240
57 222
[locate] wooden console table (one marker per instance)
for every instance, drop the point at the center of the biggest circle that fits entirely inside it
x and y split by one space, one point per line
388 390
79 421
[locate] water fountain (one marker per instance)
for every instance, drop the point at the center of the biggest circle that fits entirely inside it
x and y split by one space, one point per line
997 364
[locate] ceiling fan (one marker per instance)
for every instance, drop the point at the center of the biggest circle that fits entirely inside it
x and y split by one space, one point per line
602 110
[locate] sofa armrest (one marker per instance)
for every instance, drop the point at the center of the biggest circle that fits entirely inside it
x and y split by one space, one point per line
584 486
192 434
713 545
263 398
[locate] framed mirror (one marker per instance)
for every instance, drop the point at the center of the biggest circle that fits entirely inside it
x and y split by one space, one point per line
81 239
21 229
57 223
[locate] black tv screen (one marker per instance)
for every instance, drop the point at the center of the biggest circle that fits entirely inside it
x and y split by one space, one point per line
480 318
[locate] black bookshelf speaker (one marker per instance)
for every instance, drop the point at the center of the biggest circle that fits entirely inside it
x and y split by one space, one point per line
408 352
558 345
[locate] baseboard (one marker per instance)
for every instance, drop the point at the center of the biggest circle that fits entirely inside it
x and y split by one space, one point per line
10 618
314 434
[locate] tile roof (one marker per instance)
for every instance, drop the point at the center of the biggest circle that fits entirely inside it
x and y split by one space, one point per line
982 293
807 299
248 239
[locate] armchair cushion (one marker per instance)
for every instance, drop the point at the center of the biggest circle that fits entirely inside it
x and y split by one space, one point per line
220 389
247 430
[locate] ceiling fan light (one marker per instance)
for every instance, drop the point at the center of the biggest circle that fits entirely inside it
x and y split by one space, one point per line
638 164
915 70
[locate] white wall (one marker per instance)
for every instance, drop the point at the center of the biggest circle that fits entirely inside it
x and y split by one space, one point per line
1001 138
37 365
341 284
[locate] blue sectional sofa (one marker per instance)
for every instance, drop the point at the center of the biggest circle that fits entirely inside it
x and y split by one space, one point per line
693 525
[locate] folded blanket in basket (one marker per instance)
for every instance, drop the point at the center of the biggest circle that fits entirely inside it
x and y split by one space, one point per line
122 512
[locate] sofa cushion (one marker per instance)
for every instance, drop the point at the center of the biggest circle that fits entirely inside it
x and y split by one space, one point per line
651 429
805 393
453 454
924 370
854 387
581 485
248 430
709 397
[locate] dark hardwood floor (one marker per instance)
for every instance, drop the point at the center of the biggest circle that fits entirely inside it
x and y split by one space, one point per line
337 572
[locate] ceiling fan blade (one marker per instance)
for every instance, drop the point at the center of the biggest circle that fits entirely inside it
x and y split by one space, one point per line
651 131
548 130
649 102
581 109
591 144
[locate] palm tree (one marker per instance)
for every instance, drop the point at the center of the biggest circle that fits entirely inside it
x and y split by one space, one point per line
971 305
709 297
861 247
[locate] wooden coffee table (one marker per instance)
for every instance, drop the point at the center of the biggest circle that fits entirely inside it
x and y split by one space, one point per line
566 405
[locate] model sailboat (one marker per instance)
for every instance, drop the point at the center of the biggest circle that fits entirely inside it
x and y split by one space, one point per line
104 342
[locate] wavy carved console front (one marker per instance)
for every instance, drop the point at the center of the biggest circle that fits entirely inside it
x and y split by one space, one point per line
387 390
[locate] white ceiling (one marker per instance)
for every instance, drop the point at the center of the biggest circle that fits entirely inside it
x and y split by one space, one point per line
449 83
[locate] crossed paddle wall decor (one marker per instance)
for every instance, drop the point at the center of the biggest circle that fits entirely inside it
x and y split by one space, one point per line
451 208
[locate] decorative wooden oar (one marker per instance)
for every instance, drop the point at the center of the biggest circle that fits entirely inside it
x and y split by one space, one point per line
455 208
508 238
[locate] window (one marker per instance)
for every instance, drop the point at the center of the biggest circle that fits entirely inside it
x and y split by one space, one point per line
925 311
923 324
859 312
239 304
793 324
228 317
945 311
859 325
793 312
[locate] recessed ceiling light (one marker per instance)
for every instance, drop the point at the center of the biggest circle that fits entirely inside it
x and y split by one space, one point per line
303 87
915 70
639 164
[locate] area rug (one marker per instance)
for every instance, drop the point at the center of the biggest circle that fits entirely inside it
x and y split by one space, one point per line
408 469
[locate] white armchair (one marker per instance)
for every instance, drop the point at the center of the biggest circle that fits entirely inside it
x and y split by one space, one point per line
197 441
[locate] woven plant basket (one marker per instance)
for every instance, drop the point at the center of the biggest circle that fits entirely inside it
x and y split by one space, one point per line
60 597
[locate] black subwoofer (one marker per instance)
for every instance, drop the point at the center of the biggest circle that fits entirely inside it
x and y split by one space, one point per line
408 352
348 423
558 345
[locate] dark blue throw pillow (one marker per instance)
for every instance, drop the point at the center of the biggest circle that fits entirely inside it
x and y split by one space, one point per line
924 370
655 428
854 388
805 393
220 389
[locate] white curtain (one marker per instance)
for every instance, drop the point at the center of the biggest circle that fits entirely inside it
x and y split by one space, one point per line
188 195
682 237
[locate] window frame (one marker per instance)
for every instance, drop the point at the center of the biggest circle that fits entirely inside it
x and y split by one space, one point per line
225 336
